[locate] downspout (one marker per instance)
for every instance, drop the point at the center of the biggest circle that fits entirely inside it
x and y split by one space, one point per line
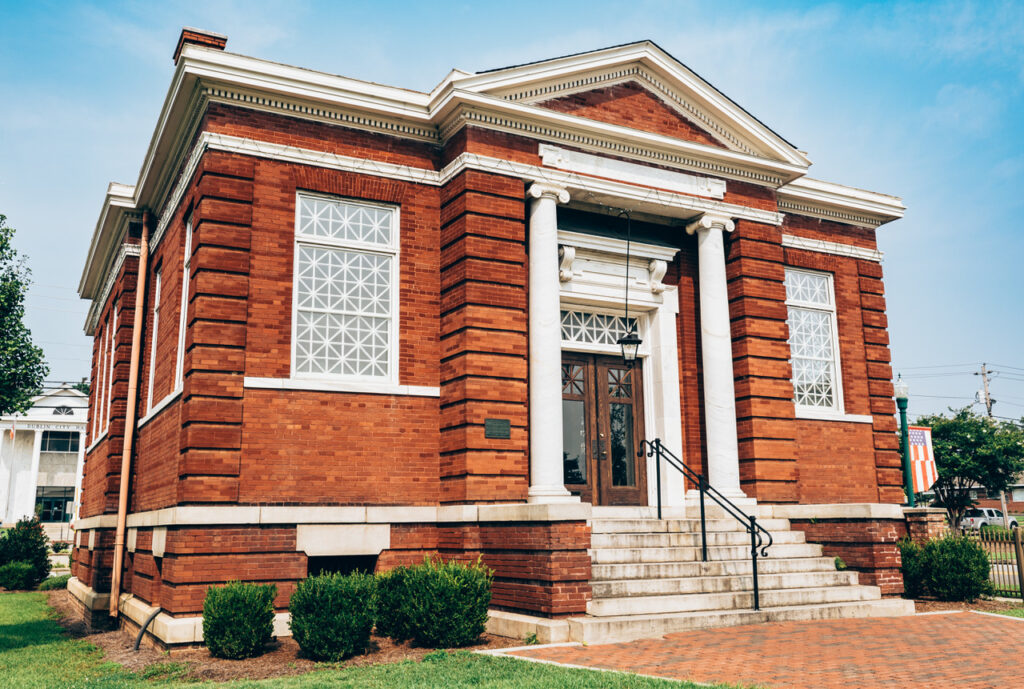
129 417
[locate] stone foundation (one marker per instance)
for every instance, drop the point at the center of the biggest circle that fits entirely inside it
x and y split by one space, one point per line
538 554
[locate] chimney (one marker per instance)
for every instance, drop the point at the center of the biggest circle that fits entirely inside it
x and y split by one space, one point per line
199 37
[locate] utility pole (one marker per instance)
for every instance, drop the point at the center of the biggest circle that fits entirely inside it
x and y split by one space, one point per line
988 408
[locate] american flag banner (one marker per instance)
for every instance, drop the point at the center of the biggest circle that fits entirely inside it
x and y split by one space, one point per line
922 459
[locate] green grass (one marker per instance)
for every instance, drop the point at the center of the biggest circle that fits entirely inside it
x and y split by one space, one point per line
1016 612
34 653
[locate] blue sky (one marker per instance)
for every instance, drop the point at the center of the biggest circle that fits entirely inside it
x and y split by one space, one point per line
918 99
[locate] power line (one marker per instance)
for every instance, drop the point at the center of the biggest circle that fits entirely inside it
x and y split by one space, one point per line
914 368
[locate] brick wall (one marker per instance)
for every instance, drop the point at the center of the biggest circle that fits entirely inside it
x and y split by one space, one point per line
483 338
766 429
631 105
865 545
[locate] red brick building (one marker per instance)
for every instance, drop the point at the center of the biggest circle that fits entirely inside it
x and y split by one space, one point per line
373 324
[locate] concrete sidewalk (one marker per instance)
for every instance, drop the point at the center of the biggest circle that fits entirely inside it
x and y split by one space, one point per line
963 650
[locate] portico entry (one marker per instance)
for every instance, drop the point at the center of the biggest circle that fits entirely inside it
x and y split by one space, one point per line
602 426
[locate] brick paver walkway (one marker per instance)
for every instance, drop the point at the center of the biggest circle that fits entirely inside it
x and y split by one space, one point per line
962 650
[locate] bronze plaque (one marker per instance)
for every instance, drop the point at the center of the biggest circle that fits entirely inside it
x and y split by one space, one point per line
498 428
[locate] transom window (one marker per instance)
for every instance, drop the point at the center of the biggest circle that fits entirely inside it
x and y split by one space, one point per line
813 340
59 441
346 296
63 410
586 328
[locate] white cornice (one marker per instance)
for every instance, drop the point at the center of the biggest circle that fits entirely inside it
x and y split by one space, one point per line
97 304
638 198
830 201
613 245
835 248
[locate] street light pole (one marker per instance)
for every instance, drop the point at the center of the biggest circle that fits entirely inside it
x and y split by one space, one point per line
902 391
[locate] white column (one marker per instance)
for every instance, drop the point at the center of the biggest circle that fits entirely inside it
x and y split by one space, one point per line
716 354
79 466
27 500
665 412
546 480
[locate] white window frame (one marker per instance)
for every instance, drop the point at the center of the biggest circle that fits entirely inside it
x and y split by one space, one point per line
154 330
112 337
838 407
186 270
392 250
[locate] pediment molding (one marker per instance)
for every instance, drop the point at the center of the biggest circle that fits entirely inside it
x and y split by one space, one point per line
637 73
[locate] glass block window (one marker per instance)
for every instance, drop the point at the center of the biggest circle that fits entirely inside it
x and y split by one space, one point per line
813 340
583 327
346 277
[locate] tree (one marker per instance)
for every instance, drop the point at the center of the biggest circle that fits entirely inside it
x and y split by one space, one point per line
22 368
82 386
972 451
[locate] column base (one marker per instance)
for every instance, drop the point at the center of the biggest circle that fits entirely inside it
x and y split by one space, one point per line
550 494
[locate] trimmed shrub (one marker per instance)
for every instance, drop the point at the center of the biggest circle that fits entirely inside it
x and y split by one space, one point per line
394 615
956 568
439 604
17 576
52 583
332 614
60 546
913 568
238 619
27 542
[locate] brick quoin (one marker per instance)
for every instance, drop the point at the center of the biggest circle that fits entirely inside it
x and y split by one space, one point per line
212 440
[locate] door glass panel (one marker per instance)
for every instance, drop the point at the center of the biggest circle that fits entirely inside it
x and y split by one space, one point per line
574 441
622 450
620 383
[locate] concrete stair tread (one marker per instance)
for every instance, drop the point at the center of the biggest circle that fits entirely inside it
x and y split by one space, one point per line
686 540
718 553
720 583
680 525
691 568
730 600
593 629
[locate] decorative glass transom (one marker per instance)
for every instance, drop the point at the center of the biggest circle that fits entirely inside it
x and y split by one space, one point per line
583 327
808 288
345 301
345 221
812 339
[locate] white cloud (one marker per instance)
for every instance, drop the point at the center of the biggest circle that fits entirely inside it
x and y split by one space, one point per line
966 110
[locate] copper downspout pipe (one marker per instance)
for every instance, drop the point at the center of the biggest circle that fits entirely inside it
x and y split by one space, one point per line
129 419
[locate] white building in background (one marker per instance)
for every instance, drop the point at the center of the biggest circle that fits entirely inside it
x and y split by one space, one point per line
41 454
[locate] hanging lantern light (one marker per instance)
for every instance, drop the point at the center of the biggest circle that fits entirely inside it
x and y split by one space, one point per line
630 342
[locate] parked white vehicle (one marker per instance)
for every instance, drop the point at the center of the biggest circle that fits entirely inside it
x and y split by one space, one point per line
985 516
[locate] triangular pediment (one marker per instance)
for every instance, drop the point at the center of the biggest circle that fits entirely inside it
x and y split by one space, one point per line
673 100
630 104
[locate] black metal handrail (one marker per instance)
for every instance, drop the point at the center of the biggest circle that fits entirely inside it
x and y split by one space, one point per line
758 533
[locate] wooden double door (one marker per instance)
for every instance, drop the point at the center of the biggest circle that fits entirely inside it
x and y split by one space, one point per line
602 426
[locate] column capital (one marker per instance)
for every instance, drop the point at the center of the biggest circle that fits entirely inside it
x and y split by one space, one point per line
539 190
710 220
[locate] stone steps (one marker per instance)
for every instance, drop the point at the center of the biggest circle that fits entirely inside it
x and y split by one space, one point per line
672 570
677 540
733 600
649 526
602 556
621 588
648 577
627 627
